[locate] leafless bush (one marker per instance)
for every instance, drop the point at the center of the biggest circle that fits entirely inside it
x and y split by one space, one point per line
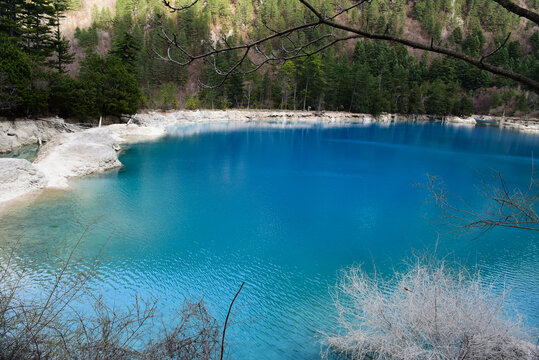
432 311
39 322
196 336
507 207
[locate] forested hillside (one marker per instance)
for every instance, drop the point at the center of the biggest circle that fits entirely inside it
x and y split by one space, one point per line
89 58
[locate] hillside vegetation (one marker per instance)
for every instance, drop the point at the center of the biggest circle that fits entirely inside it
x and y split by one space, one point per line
117 46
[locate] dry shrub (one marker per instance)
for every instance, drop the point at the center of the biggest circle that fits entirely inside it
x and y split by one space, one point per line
41 322
34 329
431 311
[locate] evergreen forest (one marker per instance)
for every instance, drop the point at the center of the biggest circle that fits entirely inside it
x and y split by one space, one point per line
51 65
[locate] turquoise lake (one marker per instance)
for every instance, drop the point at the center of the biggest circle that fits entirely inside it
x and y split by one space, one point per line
283 208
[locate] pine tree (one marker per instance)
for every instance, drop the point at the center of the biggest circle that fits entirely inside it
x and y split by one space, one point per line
10 17
234 84
287 75
37 33
62 54
15 77
465 106
108 86
126 48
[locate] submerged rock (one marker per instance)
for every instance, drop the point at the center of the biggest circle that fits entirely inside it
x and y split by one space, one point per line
78 154
19 177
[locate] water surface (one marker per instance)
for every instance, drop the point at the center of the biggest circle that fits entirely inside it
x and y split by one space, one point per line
283 209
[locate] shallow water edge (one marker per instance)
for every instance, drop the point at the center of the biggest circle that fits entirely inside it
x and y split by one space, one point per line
72 152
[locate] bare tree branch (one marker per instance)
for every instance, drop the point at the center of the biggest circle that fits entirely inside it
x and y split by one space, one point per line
432 48
501 46
226 321
510 208
174 9
301 50
345 10
51 327
520 11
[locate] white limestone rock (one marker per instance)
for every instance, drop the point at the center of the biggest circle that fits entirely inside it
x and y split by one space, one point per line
78 153
72 155
151 119
22 132
130 133
19 177
470 120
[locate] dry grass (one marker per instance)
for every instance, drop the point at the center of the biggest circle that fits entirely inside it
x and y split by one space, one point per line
432 311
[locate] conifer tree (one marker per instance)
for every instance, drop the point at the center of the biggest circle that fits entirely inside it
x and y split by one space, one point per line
126 48
10 17
108 86
62 49
37 34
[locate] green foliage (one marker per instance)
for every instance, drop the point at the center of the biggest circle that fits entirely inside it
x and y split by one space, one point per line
522 103
435 15
35 26
102 17
441 98
167 97
221 95
456 36
244 12
192 103
88 38
65 96
75 4
474 43
38 19
10 18
377 77
127 48
31 43
428 13
495 99
465 106
61 46
108 87
534 41
495 18
15 77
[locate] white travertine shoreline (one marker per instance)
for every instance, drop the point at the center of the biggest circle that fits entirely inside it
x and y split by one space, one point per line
71 151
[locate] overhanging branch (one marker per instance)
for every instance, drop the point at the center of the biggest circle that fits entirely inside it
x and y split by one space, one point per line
518 10
431 47
350 32
184 7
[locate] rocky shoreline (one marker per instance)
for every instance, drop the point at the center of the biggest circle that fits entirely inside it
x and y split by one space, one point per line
72 151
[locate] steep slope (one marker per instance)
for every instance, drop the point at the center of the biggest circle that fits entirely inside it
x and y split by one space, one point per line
366 77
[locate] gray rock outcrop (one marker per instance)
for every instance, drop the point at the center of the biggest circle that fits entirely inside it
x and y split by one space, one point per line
78 154
72 152
18 133
19 177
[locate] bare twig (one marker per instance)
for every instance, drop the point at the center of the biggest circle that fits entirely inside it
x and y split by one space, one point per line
510 208
173 8
52 327
501 46
433 310
226 321
352 33
510 6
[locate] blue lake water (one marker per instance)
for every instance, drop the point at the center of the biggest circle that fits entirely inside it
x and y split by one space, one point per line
283 209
